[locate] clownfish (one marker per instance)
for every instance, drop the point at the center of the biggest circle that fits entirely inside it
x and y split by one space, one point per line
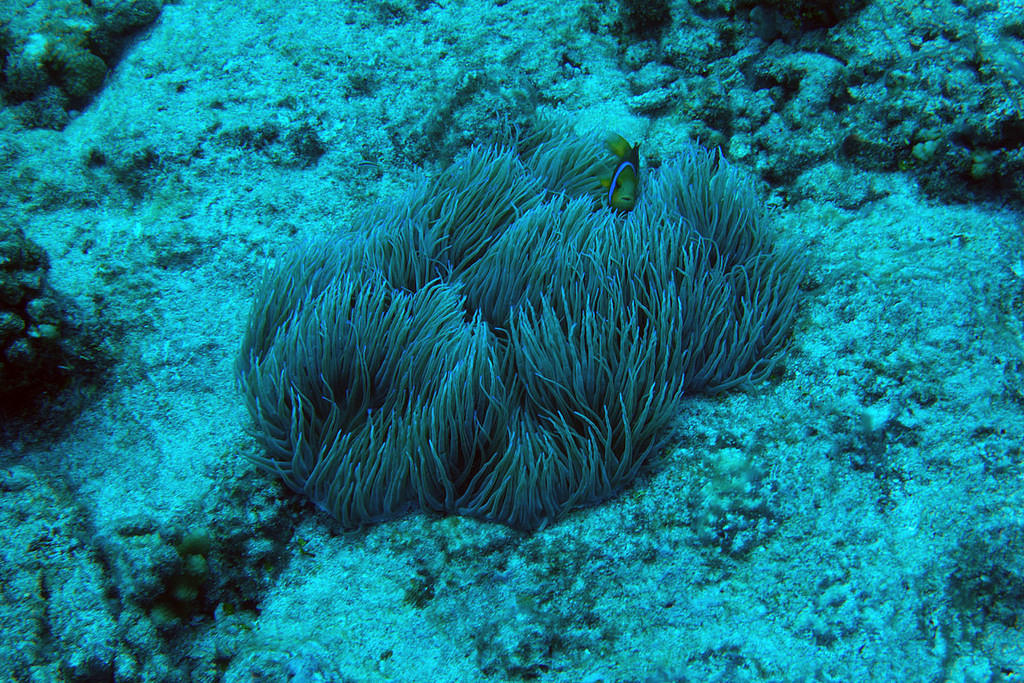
623 184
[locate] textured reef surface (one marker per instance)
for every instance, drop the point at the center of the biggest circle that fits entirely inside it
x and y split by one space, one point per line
765 426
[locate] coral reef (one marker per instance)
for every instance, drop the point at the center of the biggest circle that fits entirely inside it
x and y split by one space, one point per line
31 357
45 343
786 86
55 57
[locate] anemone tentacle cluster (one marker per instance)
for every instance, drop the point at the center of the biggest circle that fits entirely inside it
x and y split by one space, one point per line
497 344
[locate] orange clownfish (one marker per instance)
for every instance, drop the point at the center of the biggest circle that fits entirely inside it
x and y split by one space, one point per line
624 183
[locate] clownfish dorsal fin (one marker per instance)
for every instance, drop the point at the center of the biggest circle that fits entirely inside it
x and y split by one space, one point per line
619 146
